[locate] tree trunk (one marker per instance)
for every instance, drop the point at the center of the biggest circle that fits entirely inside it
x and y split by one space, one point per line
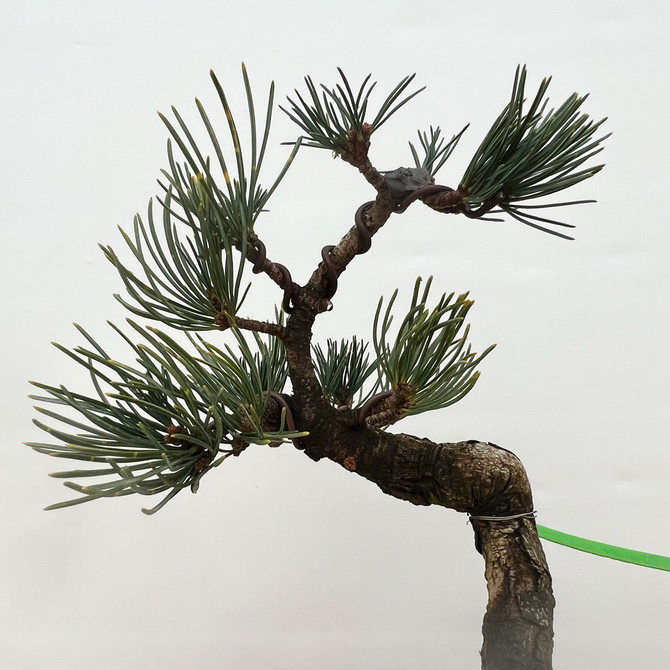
483 480
478 478
518 621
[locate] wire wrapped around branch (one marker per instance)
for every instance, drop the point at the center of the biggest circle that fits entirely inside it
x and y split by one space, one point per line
364 245
258 258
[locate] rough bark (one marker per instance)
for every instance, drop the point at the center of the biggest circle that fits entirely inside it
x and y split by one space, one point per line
483 480
518 621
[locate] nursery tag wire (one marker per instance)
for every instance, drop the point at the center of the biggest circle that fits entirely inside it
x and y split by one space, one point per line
606 550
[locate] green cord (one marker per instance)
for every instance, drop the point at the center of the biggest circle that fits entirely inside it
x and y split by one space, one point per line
606 550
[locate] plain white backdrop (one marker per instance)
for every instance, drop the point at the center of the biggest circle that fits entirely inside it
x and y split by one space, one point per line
277 561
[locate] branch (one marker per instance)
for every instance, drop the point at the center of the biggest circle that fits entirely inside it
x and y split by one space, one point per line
279 273
357 155
265 327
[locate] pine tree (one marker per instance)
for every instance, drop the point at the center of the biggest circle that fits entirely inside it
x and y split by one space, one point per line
182 404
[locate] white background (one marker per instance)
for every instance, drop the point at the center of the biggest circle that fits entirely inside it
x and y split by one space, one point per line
278 561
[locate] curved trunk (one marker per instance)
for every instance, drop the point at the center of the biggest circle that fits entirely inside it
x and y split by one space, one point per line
479 478
486 480
483 480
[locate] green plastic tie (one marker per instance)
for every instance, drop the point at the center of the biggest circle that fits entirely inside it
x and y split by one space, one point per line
606 550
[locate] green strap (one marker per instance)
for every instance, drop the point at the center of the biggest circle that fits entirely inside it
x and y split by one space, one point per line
606 550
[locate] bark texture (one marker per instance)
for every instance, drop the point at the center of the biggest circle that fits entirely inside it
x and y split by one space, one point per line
483 480
517 624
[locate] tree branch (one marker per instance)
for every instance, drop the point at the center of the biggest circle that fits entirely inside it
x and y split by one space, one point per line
357 155
265 327
279 273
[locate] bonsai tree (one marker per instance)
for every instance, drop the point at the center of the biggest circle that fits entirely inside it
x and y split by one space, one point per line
181 403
